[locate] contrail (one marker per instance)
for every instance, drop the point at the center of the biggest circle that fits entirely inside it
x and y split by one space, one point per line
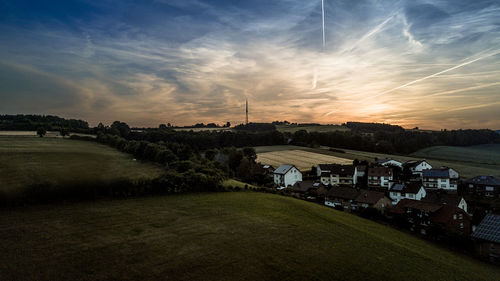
436 74
323 21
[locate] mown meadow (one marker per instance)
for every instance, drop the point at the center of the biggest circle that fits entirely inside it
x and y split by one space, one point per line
217 236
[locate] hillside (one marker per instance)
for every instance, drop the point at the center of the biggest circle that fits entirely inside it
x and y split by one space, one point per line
25 161
218 236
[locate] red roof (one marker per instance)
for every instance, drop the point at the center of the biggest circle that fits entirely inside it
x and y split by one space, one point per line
369 197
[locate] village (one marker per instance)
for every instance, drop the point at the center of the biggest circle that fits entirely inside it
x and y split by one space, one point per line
414 196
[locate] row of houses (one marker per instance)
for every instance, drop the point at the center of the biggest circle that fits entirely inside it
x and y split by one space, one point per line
413 201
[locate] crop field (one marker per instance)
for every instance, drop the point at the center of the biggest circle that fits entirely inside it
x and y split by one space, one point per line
464 166
218 236
303 160
25 161
317 128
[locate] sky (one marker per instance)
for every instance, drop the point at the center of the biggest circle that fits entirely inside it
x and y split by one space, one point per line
431 64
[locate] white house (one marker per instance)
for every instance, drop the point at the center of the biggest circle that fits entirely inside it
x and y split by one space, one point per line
359 172
286 175
416 167
380 177
323 168
412 191
443 178
388 162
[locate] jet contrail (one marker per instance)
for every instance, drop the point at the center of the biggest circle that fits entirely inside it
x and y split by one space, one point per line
436 74
323 21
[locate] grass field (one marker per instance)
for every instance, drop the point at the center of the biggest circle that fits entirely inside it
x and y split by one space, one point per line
318 128
465 167
481 154
220 236
25 161
303 160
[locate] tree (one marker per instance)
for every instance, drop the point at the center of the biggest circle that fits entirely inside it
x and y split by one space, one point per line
162 126
41 131
228 124
249 153
121 127
64 132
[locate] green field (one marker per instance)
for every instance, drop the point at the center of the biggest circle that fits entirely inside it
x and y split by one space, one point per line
218 236
463 165
26 161
480 154
317 128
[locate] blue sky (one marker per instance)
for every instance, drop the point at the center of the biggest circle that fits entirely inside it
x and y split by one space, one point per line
432 64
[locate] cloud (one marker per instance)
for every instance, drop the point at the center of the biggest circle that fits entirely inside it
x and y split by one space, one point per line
196 61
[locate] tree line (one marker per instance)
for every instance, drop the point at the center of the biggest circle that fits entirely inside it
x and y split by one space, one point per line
22 122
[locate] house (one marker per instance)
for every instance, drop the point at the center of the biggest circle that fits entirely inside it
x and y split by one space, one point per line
323 168
442 178
487 238
264 169
486 186
373 199
342 196
309 189
416 167
412 191
423 217
380 177
359 173
286 175
388 162
449 199
338 175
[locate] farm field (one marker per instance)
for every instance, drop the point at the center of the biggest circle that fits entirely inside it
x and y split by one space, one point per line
217 236
25 161
467 169
303 160
317 128
481 154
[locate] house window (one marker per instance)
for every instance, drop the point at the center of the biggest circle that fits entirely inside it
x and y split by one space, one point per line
455 216
460 216
489 188
461 225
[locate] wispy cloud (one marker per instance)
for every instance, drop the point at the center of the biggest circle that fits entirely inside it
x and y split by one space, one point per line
410 63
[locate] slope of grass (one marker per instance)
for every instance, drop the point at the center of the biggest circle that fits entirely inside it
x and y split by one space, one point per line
224 236
25 161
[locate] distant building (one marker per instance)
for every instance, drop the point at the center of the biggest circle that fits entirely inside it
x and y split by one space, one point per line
416 167
359 173
286 175
388 162
264 169
449 199
380 177
485 186
342 196
442 178
411 191
373 199
309 189
323 168
338 175
487 238
422 216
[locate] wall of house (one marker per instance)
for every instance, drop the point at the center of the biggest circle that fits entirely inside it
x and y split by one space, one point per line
292 176
488 251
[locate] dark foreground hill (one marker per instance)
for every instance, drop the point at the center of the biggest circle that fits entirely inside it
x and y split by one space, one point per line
219 236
